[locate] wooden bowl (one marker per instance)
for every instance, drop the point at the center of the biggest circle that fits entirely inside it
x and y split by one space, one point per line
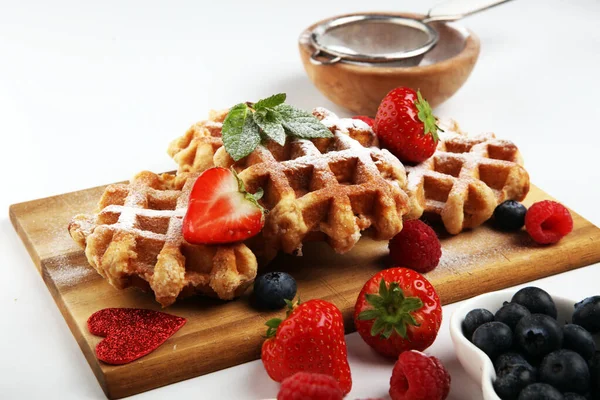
360 87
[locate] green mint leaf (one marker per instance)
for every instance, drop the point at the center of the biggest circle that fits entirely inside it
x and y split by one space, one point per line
301 124
269 121
240 133
271 101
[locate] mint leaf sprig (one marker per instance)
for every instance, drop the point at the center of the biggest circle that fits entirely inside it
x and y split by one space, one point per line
247 124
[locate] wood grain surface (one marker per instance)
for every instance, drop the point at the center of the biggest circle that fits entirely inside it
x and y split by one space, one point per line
221 334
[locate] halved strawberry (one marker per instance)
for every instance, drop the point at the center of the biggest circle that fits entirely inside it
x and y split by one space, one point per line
220 209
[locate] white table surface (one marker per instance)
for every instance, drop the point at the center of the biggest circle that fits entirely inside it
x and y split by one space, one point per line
92 93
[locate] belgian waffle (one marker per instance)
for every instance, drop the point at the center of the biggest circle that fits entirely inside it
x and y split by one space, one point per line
135 239
194 151
328 188
465 179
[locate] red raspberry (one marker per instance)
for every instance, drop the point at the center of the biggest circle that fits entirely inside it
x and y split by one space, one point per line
416 247
305 385
367 120
418 377
445 376
548 221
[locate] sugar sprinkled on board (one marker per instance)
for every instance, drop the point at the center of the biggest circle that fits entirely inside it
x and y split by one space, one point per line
67 273
478 250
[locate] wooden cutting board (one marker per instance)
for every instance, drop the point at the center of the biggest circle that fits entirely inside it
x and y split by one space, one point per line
221 334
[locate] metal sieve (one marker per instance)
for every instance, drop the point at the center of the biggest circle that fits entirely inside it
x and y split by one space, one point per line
382 38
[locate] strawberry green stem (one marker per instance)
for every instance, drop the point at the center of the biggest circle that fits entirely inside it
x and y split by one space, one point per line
391 312
274 323
426 117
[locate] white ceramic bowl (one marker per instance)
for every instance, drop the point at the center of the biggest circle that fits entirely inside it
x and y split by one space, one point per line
476 362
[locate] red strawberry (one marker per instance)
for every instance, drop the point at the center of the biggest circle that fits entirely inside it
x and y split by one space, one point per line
220 209
406 126
398 310
305 385
367 120
310 339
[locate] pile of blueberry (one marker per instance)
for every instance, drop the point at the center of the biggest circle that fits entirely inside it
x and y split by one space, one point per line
535 356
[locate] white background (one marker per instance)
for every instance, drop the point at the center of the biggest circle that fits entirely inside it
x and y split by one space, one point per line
93 93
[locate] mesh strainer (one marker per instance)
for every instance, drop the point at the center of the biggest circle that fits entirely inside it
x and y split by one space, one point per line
382 38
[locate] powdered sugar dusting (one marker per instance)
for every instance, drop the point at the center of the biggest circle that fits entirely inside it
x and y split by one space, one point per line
348 147
65 273
476 249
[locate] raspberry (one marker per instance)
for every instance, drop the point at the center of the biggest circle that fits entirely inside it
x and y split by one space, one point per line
548 221
446 379
304 385
418 377
367 120
416 247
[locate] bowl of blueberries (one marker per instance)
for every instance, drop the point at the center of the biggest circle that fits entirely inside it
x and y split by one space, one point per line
528 345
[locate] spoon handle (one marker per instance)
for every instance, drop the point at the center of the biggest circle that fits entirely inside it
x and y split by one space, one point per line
447 17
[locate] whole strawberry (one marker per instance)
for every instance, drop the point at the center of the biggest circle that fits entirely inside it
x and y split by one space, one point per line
406 126
309 339
398 310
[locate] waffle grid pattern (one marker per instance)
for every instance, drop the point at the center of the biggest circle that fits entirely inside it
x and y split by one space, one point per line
325 188
135 239
465 179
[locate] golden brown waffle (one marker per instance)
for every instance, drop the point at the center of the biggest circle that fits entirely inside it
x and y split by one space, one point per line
465 179
194 151
135 239
330 189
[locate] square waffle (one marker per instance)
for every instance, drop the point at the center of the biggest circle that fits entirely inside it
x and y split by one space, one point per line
135 239
324 189
465 179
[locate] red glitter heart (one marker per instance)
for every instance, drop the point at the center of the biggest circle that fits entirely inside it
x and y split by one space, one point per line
131 333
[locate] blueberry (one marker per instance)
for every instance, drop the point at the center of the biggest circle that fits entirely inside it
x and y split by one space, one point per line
474 319
566 370
579 340
587 314
537 335
509 386
573 396
536 300
506 361
540 391
493 338
510 215
511 314
513 373
595 374
273 288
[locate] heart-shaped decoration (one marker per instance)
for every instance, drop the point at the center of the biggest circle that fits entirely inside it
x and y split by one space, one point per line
131 333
